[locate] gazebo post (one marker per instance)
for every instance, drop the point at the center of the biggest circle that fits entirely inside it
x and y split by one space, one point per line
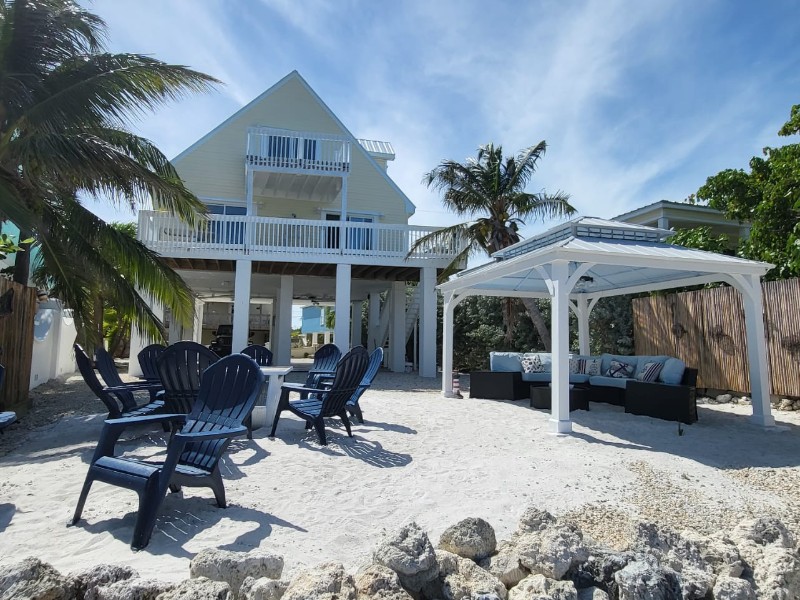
583 308
750 288
559 288
451 300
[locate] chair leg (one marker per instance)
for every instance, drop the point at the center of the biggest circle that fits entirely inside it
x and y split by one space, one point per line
248 422
319 425
149 503
82 500
275 422
346 421
218 488
174 488
355 411
308 424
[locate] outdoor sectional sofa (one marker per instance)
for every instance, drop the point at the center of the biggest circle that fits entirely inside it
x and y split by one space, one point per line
670 396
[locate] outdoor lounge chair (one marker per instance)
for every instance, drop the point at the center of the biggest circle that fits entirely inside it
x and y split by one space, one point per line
147 361
227 394
104 363
325 360
118 400
375 360
179 368
261 354
316 404
7 418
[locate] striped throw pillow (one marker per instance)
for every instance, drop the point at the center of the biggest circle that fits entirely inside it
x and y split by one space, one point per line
649 371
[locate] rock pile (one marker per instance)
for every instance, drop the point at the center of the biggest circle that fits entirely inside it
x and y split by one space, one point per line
545 559
788 404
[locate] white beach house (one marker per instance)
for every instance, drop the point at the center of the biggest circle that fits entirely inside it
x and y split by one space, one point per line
300 211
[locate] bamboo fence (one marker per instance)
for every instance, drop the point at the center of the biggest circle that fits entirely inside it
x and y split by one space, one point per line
16 346
706 330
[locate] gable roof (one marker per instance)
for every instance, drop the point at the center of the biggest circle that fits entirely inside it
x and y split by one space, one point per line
355 144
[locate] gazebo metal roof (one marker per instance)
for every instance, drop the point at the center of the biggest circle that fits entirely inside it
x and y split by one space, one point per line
580 261
624 259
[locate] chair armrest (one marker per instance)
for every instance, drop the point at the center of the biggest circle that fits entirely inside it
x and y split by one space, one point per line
296 387
123 422
134 386
199 436
662 401
113 428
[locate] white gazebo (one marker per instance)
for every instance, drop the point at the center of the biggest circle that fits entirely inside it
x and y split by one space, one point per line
577 263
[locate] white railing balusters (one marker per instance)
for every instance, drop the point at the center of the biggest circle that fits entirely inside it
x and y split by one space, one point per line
302 151
235 234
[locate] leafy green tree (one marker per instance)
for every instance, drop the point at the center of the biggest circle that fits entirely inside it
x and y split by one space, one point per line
768 196
489 190
66 106
702 239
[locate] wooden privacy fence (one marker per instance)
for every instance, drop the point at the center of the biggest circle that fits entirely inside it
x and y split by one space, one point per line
16 344
706 330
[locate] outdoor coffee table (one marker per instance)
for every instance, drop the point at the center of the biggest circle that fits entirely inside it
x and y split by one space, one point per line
265 414
578 397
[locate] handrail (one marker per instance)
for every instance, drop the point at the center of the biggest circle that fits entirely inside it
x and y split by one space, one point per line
165 233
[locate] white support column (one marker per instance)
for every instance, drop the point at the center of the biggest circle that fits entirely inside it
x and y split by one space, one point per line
450 303
341 330
343 241
355 323
197 323
282 348
427 322
373 320
397 332
175 332
583 308
138 342
750 288
241 305
559 419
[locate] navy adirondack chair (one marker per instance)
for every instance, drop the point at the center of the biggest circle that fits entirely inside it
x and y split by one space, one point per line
179 369
375 360
227 394
118 400
104 363
261 354
325 360
7 418
147 361
316 404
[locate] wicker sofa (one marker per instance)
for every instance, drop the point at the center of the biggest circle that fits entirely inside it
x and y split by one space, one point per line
670 396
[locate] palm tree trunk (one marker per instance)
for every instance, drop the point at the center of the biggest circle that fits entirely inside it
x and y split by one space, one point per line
538 321
22 260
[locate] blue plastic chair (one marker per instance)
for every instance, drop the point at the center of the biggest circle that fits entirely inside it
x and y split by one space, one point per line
104 363
228 391
118 400
7 418
261 354
325 361
180 367
316 404
375 361
147 361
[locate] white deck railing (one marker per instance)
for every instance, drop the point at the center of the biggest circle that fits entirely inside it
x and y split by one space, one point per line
291 151
229 235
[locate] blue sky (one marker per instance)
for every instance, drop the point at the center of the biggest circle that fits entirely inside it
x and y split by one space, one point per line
638 101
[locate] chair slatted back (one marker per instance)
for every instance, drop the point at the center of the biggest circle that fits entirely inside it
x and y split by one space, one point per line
261 354
90 377
179 369
375 360
325 359
228 391
2 375
148 357
349 373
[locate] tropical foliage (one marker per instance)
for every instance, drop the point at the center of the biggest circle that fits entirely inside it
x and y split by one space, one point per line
489 191
768 197
66 108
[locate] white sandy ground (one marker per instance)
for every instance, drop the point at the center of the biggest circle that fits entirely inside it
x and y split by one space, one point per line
419 457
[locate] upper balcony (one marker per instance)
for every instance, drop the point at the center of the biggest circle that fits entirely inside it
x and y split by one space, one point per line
287 151
291 240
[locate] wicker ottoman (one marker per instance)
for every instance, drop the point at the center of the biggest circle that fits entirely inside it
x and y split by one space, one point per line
579 397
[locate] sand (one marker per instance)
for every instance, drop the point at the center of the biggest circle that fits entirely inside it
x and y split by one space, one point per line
418 457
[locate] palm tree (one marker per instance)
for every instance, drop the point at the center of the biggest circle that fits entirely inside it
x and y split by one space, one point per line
489 190
66 106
